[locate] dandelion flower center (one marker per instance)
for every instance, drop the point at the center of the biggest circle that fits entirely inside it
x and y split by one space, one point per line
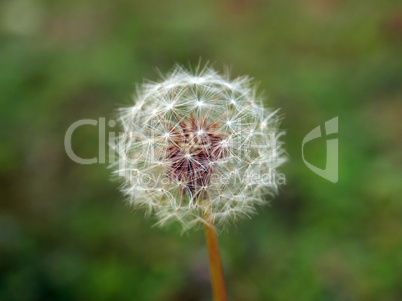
193 149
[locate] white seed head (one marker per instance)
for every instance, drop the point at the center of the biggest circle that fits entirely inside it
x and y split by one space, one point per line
197 144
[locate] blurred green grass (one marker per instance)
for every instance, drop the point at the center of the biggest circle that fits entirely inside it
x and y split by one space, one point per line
65 233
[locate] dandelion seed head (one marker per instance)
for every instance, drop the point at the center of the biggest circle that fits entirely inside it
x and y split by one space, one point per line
198 142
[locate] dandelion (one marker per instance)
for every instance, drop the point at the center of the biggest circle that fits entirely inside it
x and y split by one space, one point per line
199 148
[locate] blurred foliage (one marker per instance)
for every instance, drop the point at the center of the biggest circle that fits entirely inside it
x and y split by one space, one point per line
65 233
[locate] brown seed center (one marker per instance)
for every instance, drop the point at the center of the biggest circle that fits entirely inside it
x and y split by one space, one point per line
194 148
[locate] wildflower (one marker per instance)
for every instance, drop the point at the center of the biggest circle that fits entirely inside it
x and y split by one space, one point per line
198 148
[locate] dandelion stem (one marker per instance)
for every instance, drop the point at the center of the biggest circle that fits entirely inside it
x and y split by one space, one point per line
217 279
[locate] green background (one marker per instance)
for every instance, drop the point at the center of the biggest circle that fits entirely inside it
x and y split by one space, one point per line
65 232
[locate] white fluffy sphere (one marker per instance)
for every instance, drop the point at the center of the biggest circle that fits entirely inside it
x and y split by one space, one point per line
198 147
